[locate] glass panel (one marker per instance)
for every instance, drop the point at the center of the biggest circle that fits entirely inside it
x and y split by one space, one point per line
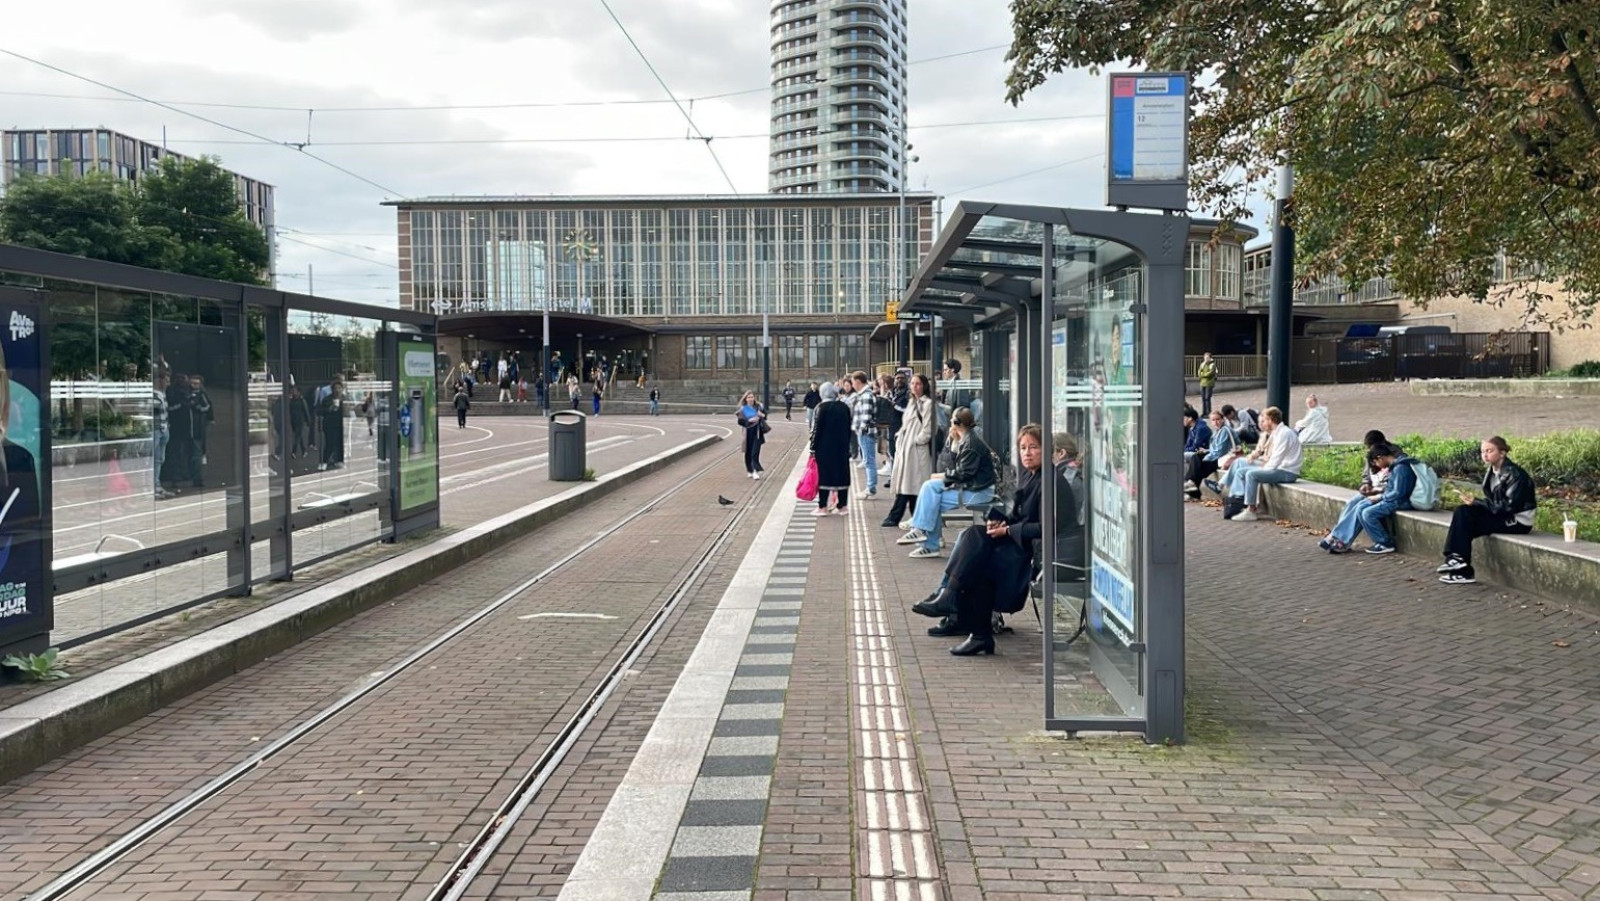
1095 379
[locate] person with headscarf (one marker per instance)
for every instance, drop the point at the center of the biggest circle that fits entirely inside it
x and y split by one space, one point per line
830 446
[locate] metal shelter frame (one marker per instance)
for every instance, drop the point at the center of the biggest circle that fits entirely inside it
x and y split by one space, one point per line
1004 266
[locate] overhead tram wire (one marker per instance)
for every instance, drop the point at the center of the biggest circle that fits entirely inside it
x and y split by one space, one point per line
450 107
183 112
687 118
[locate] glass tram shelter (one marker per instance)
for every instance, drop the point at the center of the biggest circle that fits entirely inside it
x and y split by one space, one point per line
1079 317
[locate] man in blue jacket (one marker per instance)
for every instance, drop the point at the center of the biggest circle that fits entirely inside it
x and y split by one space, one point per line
1402 480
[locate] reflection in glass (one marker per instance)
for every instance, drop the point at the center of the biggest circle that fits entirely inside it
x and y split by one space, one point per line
1095 402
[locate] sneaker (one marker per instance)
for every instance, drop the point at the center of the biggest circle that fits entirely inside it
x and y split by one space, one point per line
1214 485
1381 549
1457 579
889 524
905 523
1326 543
913 536
867 495
922 553
820 511
1338 547
840 511
1245 516
756 476
1454 564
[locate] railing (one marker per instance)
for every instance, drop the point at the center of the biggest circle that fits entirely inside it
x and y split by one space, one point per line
1229 366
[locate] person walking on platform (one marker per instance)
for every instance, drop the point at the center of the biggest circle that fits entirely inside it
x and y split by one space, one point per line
830 445
598 389
462 404
788 402
914 457
753 419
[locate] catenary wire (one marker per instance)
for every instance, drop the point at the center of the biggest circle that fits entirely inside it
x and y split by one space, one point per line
183 112
688 118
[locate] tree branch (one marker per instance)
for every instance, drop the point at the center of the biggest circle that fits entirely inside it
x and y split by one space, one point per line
1580 92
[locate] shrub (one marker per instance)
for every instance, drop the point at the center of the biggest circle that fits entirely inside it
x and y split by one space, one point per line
1588 369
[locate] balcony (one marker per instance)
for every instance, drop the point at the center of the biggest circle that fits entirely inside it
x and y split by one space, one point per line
877 6
782 182
858 38
859 114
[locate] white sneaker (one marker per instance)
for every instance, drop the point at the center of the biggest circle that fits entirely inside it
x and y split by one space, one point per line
914 536
756 476
820 511
1246 516
905 523
867 495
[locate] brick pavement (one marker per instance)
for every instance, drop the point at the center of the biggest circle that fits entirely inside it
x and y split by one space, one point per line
304 821
1358 731
1389 406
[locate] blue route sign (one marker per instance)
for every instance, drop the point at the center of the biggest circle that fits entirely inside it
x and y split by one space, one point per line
1148 140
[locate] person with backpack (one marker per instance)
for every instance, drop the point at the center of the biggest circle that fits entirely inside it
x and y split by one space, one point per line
1399 481
1506 508
1372 482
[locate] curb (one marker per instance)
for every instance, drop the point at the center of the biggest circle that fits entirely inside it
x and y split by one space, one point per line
40 729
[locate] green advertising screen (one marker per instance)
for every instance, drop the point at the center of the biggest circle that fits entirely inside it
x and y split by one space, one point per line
417 426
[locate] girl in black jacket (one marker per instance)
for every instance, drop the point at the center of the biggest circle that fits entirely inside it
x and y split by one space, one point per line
1506 508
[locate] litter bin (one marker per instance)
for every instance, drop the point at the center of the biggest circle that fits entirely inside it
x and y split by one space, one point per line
567 445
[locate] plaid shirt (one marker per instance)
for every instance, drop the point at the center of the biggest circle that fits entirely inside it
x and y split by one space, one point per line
864 405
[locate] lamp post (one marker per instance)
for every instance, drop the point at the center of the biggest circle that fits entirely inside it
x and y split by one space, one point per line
544 360
900 241
766 356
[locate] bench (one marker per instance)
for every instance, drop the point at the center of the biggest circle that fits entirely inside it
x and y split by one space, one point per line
1539 563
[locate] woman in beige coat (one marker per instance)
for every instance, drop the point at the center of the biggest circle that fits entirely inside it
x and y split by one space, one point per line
913 461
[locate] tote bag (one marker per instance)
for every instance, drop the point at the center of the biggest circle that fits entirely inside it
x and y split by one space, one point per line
807 489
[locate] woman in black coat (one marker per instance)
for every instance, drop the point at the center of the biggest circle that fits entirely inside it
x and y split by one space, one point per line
1506 508
994 562
830 445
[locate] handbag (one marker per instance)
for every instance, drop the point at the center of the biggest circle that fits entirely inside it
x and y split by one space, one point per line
807 489
765 427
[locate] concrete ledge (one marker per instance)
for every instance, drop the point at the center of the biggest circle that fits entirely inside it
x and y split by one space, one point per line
1538 563
1506 387
47 726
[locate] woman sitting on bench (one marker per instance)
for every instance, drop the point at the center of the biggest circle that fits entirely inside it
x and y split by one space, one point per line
995 560
969 482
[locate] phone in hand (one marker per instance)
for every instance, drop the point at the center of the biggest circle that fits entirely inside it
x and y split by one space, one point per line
996 514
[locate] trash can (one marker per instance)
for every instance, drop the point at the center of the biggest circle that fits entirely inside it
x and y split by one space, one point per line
567 445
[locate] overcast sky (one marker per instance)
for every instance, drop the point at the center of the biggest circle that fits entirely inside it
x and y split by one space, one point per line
429 63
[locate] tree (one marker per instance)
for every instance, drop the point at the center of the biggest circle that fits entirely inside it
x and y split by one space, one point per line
91 216
1426 135
195 201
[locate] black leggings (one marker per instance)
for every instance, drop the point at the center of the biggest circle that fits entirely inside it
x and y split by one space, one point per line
1473 521
841 496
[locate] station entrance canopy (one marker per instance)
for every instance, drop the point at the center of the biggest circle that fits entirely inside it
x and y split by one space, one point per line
1080 314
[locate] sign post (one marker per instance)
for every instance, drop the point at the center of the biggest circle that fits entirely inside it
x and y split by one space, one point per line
414 446
1147 142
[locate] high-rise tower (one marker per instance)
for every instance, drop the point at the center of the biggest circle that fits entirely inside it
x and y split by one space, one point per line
838 96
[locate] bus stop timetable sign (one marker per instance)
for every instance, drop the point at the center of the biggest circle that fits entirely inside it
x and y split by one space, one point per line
1148 141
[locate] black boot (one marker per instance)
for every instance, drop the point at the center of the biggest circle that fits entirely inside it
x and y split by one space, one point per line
941 603
974 645
947 628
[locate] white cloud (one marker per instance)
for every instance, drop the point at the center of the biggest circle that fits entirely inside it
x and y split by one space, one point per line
329 54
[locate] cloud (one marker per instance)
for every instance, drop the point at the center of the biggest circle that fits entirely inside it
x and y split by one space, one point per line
285 20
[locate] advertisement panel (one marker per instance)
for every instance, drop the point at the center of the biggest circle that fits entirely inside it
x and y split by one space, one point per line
26 611
417 425
1113 466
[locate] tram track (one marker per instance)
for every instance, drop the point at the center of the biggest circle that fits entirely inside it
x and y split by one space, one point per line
481 848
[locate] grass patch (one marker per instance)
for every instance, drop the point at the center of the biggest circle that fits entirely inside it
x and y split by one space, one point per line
1564 466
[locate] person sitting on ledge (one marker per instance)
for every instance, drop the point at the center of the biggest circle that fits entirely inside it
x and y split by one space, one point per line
1506 508
1398 481
1198 467
1279 463
1313 427
1372 481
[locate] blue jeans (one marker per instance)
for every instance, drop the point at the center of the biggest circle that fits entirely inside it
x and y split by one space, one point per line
158 457
1372 519
869 453
1248 482
1349 523
655 408
934 499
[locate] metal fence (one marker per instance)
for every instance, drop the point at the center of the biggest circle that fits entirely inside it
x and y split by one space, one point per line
1456 355
1229 366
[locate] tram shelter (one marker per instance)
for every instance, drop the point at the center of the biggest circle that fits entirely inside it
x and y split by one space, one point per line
1078 317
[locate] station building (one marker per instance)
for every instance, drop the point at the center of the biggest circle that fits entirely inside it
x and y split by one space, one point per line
678 285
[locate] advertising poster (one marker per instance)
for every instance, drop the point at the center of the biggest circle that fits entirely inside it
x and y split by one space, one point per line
25 586
417 426
1113 465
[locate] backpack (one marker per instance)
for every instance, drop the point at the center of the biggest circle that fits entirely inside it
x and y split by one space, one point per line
1250 433
1425 496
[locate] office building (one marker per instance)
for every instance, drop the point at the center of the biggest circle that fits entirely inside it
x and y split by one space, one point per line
838 97
78 151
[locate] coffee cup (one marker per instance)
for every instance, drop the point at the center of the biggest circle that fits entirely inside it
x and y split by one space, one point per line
1569 530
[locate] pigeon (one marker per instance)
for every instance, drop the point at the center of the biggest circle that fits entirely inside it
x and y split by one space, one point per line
724 501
